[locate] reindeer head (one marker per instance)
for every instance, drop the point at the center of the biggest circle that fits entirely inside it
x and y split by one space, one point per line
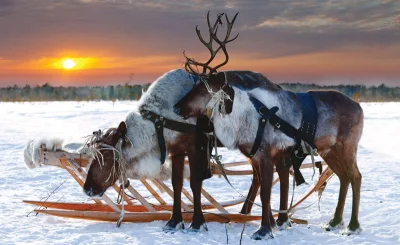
108 163
212 91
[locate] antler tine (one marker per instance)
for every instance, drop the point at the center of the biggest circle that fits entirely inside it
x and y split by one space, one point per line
212 29
191 63
229 28
228 31
223 63
208 44
225 41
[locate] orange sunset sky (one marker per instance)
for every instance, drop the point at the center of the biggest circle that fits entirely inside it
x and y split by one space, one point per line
119 41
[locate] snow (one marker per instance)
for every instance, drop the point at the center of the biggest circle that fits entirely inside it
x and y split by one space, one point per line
378 161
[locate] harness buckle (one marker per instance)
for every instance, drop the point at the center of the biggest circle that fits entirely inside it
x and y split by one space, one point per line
277 126
261 108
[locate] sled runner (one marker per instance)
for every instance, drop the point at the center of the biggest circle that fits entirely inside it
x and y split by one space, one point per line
104 209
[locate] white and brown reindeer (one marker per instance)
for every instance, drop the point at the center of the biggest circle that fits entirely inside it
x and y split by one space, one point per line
236 122
132 150
140 150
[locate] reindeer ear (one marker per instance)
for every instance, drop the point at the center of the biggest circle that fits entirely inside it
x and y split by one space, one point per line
122 128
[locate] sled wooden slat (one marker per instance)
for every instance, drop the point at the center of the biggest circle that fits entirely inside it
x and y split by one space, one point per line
213 201
146 217
127 207
76 167
150 217
76 177
162 190
153 192
171 194
187 195
124 196
141 199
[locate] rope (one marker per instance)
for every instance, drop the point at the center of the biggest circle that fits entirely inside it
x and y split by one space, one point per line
290 211
217 100
95 148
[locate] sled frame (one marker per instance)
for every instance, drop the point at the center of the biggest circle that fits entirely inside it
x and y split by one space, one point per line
104 209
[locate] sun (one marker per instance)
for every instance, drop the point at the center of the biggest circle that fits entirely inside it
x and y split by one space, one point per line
69 64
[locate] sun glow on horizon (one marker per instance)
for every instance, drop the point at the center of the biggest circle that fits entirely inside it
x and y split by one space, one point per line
69 64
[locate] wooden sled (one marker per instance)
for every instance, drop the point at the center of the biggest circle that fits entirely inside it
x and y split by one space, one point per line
104 209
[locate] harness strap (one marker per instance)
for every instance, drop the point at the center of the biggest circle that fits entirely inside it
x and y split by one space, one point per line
274 120
266 115
310 118
269 115
305 134
159 124
170 124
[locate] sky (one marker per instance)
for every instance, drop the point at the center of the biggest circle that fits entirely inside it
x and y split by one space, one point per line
120 41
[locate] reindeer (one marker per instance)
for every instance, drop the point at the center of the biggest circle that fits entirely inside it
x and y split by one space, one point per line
132 149
236 121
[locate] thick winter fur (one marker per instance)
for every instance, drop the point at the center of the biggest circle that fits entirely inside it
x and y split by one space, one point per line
147 167
143 156
340 124
32 150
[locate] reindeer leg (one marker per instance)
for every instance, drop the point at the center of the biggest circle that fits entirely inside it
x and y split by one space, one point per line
354 225
283 219
336 160
251 196
337 220
176 222
198 221
267 221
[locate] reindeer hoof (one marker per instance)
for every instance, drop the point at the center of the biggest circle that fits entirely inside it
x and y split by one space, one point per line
173 226
283 225
352 229
262 233
197 228
334 225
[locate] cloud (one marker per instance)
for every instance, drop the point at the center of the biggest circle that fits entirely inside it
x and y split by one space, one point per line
40 28
134 30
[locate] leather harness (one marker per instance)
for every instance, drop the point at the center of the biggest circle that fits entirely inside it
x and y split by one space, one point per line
306 132
160 123
202 127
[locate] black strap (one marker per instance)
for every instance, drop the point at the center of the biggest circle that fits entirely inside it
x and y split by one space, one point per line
274 120
309 118
203 149
266 115
306 131
170 124
159 124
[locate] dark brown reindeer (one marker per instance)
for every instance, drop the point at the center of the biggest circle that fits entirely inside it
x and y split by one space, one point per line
236 122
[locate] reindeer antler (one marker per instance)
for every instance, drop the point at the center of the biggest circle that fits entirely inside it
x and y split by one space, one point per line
191 65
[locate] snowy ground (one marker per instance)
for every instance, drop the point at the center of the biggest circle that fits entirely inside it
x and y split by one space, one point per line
378 160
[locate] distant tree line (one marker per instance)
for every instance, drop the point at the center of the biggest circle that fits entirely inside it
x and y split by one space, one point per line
46 92
361 93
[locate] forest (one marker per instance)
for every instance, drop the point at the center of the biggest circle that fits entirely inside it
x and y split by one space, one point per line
47 92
